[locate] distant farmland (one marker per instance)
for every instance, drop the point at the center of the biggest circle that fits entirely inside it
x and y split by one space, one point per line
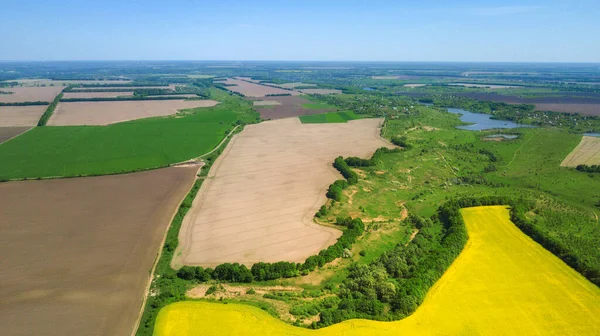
255 90
30 94
81 250
70 95
110 112
123 147
290 107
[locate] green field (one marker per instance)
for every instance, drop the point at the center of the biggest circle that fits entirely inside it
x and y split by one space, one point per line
333 117
124 147
318 106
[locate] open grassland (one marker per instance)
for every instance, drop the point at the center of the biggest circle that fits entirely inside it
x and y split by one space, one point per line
261 195
587 153
7 133
502 283
124 147
250 89
30 94
334 117
78 252
71 95
21 115
110 112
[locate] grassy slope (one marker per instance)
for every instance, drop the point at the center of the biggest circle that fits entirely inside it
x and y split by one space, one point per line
129 146
334 117
499 282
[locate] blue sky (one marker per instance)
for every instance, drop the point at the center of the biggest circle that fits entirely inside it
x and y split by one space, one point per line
369 30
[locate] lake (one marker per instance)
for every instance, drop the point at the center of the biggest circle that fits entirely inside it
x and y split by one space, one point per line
482 121
592 134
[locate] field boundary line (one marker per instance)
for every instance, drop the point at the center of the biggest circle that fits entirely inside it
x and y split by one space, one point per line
18 135
159 254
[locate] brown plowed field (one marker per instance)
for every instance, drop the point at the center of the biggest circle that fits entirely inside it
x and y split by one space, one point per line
587 152
70 95
77 253
261 195
255 90
21 115
7 133
110 112
288 107
321 91
584 109
30 94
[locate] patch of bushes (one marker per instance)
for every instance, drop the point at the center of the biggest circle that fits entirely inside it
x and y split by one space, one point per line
588 169
49 111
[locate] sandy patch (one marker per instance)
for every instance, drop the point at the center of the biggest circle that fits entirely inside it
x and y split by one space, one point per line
249 89
71 95
587 152
30 94
21 115
260 197
266 103
78 251
110 112
414 85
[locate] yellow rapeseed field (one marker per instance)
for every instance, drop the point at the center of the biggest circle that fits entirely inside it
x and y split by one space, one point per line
503 283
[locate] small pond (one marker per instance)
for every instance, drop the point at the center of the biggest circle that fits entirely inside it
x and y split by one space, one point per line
504 136
592 134
481 121
368 89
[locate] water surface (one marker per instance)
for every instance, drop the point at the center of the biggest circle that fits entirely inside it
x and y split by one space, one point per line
482 121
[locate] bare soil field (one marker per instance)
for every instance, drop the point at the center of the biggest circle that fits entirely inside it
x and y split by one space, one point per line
21 115
7 133
255 90
170 87
288 107
266 103
584 109
48 82
78 252
69 95
321 91
260 197
294 85
587 152
110 112
30 94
